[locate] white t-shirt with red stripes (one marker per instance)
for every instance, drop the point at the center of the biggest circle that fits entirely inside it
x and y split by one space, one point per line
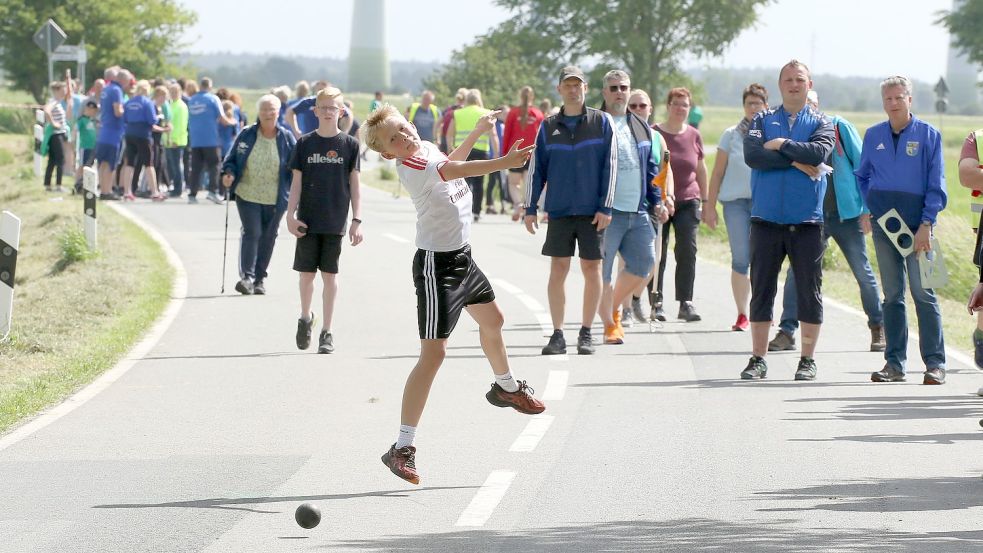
443 208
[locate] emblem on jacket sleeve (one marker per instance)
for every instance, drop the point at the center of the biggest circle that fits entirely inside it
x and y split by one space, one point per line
911 148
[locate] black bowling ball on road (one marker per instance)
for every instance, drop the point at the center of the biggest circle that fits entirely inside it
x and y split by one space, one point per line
308 515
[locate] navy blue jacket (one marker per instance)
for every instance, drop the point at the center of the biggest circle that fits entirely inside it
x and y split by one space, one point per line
580 165
235 161
781 193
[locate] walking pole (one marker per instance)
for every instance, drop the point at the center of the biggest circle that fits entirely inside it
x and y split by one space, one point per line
225 241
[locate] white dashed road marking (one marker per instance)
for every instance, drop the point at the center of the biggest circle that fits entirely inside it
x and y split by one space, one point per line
535 430
486 499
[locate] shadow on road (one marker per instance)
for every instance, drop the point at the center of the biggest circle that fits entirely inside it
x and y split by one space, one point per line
691 534
936 439
718 383
228 355
232 503
891 495
894 408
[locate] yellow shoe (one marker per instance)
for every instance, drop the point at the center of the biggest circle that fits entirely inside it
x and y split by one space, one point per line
611 335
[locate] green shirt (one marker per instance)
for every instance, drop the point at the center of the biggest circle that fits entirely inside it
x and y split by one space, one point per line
178 137
87 133
260 180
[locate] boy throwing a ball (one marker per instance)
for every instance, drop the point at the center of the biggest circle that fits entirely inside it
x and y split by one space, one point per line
447 279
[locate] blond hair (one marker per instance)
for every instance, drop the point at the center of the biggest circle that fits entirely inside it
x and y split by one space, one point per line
473 98
330 93
378 119
142 88
160 91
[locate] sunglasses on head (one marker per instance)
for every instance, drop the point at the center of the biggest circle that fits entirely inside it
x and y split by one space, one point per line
638 106
617 87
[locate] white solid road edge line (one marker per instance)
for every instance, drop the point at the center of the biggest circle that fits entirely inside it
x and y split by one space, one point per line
534 432
178 292
486 499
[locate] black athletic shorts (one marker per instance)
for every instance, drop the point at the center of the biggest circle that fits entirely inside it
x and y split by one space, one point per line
804 245
563 233
446 283
138 152
316 251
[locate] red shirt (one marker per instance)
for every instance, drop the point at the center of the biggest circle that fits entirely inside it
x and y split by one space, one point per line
527 132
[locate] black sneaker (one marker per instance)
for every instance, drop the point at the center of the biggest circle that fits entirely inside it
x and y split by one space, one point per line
807 369
934 376
783 341
304 331
245 287
636 310
259 288
688 313
557 344
978 348
585 346
756 368
887 374
109 197
325 343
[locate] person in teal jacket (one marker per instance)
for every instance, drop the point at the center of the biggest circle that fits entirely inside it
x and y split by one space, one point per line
844 214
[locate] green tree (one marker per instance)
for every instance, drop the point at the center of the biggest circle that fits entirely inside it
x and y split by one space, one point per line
647 38
492 64
141 35
964 22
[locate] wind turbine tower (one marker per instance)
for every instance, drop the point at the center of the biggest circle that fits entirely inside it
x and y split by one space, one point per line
368 60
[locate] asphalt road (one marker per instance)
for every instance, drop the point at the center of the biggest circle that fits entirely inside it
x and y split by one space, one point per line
221 429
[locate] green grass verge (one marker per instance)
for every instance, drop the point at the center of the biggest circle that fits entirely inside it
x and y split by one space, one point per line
75 315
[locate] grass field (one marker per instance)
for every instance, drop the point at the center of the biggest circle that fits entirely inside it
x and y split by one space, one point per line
74 316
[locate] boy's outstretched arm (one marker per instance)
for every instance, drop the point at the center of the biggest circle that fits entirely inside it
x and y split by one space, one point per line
485 124
516 157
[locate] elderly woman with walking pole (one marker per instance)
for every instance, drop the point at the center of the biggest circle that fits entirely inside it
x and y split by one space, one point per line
256 172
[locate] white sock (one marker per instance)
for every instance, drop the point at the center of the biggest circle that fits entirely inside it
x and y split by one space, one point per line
406 436
507 382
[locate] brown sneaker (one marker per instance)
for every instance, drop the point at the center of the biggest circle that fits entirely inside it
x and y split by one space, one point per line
877 338
782 342
934 376
521 400
402 463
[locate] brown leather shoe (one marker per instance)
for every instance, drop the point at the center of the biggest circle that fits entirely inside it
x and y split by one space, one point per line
522 400
877 338
402 463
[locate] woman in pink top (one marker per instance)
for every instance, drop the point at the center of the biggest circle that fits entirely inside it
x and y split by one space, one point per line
685 200
522 123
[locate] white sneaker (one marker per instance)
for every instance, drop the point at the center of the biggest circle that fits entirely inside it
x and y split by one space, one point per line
979 392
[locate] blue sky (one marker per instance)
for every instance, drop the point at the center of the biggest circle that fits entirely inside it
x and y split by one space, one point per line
846 37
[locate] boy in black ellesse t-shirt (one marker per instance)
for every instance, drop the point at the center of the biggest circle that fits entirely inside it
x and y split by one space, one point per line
325 166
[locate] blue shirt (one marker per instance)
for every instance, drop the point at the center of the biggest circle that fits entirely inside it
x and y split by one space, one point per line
736 184
306 118
909 177
139 114
204 110
111 127
629 185
228 133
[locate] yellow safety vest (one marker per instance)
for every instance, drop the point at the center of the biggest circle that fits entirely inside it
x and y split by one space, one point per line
465 120
416 105
976 199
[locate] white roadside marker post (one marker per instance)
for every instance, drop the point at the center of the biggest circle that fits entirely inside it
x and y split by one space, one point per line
90 189
9 242
38 138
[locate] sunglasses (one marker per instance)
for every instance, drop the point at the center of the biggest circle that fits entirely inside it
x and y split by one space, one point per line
638 106
617 87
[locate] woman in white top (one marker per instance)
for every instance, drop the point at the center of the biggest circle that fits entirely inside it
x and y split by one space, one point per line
730 183
58 119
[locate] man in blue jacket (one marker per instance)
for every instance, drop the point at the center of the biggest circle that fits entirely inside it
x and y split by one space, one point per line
901 168
784 147
846 219
576 154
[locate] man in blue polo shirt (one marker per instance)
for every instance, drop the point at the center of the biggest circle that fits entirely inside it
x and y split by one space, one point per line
204 117
901 168
577 155
110 130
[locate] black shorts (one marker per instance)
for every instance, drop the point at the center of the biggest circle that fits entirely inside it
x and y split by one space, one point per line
804 245
563 233
316 251
138 152
446 283
523 169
